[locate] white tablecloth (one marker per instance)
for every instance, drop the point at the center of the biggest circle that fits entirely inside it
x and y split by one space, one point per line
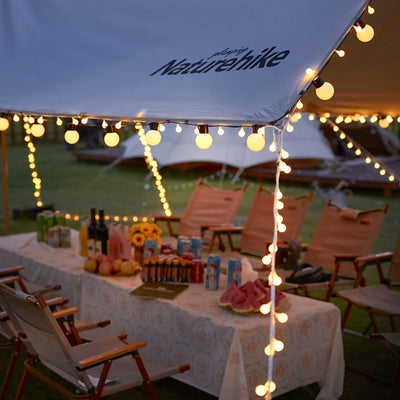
224 349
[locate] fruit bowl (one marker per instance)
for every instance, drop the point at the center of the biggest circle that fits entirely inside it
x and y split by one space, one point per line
248 298
108 266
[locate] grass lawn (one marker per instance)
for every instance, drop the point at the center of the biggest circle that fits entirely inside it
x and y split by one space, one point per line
75 187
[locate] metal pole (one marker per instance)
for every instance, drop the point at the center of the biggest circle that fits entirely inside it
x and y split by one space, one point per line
5 181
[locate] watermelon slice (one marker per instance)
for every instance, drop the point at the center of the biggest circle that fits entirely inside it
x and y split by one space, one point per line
261 286
225 299
240 303
250 288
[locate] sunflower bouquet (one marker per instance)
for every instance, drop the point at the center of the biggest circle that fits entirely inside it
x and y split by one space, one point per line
139 233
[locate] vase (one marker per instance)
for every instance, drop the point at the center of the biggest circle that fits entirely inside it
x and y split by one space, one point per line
138 254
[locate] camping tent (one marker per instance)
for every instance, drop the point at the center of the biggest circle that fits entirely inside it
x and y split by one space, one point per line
305 143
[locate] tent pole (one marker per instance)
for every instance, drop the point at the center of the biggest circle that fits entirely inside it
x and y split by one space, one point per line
5 180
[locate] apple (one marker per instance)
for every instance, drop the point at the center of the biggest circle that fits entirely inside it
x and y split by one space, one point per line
127 267
105 267
117 265
90 265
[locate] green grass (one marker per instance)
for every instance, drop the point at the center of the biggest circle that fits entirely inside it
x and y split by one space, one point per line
75 187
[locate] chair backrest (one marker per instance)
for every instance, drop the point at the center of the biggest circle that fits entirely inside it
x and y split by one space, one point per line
343 231
259 226
209 206
394 269
32 317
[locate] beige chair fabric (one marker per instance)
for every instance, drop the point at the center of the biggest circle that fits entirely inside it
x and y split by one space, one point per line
376 299
209 206
259 227
84 365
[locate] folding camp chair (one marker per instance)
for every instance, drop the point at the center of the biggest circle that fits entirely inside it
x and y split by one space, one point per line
65 317
96 369
376 299
259 227
342 235
208 206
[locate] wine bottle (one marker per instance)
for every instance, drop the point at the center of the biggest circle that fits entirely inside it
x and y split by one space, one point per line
92 233
101 243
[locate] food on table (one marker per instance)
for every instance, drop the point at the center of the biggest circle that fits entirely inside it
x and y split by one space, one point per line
249 297
108 266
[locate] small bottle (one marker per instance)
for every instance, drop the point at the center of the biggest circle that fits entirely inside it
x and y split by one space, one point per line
83 237
101 244
92 233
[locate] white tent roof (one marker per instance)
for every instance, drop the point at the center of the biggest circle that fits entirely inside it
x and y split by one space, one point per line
164 60
306 142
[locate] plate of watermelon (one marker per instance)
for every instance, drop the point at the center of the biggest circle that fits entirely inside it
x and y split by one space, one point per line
249 297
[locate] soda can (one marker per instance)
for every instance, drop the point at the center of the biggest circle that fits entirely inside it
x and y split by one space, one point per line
48 223
150 248
212 272
184 244
65 236
196 243
197 271
166 249
40 227
59 219
53 236
234 273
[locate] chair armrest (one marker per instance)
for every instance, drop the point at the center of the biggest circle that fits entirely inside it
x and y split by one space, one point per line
374 258
55 301
65 313
225 229
347 256
163 217
110 355
11 271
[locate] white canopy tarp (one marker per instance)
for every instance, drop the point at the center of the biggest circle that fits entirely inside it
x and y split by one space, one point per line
209 60
306 142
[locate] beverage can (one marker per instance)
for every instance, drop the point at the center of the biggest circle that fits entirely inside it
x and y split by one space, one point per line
184 245
48 223
65 236
212 272
197 271
234 273
59 219
53 236
150 248
196 243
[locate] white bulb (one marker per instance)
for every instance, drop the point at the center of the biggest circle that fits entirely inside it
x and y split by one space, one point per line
178 128
255 142
37 130
365 34
71 136
111 139
204 140
220 131
4 124
153 137
241 133
326 91
161 127
59 121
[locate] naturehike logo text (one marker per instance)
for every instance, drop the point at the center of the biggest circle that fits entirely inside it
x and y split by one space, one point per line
268 58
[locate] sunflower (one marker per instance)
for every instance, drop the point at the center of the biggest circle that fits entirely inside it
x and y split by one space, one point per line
138 239
146 228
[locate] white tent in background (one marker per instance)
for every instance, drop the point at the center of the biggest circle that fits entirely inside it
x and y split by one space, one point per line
306 142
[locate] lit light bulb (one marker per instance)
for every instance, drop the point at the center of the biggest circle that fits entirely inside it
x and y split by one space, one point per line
368 160
339 119
272 147
161 127
371 10
281 228
282 317
358 152
322 120
348 119
16 117
178 128
342 136
111 139
310 71
59 121
335 128
71 135
31 120
75 121
267 259
373 119
324 90
278 345
203 139
153 136
37 130
261 390
362 119
40 120
377 165
311 117
289 128
265 308
84 120
350 145
118 125
220 131
391 178
299 105
241 133
255 141
340 53
4 124
365 34
382 172
383 123
104 124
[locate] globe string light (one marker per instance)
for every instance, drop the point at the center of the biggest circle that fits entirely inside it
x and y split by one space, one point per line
37 182
152 165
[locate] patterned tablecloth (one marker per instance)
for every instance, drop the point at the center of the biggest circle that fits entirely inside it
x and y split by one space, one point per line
224 349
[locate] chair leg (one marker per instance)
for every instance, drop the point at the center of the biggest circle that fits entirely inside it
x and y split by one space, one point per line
346 315
145 375
23 382
7 377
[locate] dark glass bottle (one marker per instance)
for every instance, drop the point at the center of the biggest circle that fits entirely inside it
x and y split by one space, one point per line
92 233
101 235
